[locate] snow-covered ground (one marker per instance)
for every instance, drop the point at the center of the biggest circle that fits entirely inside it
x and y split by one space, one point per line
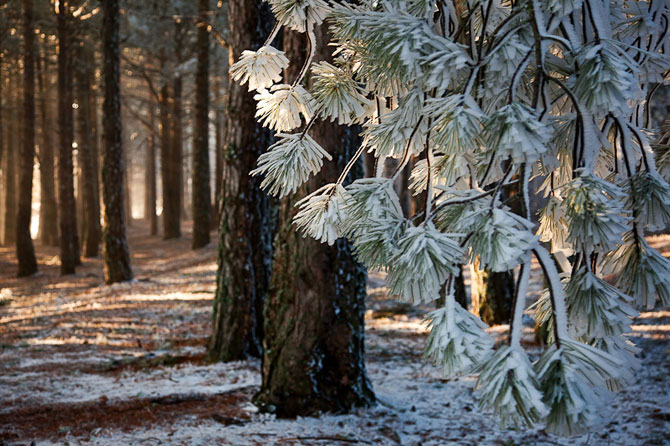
80 347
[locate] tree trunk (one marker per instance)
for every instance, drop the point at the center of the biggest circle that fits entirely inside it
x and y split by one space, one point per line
68 219
91 233
218 148
48 207
167 176
25 252
314 316
492 295
150 185
115 246
11 184
201 203
245 244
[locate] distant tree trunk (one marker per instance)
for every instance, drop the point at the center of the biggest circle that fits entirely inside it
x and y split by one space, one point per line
68 217
245 245
127 201
25 252
10 168
170 229
218 148
115 246
48 207
202 205
492 295
314 315
91 233
177 153
150 185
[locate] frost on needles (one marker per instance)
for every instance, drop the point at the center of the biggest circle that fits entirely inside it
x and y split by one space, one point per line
479 97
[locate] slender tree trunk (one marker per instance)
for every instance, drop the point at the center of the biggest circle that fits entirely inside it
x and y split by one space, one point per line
245 245
25 252
176 155
314 317
68 219
218 148
127 201
167 182
48 205
115 246
150 189
10 167
202 205
91 233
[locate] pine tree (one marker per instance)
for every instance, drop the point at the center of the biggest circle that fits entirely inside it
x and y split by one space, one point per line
25 251
313 349
115 246
485 95
245 243
69 238
201 185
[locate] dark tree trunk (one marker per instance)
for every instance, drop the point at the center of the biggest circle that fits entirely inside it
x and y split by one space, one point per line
150 185
48 207
314 316
115 246
202 196
218 149
25 252
11 183
492 295
68 217
168 189
245 245
177 153
127 202
91 233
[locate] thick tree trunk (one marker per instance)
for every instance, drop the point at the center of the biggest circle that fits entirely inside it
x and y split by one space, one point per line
202 196
150 185
115 246
67 212
314 316
48 206
91 233
11 184
245 245
25 252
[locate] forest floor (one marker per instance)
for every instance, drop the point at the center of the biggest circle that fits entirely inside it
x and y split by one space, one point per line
82 363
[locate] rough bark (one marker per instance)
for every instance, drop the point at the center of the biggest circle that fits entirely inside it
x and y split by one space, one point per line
25 252
91 231
48 205
245 245
11 184
69 252
314 316
115 247
150 167
201 202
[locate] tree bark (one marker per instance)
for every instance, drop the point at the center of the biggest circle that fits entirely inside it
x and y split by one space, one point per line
245 244
91 233
48 205
492 295
314 316
11 184
150 185
115 246
25 252
68 217
201 202
167 177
